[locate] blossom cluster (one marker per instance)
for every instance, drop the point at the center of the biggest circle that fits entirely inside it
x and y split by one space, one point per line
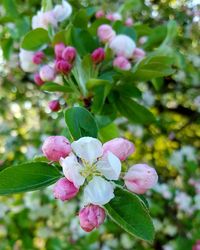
92 167
122 46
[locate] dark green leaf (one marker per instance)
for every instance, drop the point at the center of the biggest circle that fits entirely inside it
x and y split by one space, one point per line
35 39
83 41
128 211
80 122
27 177
128 89
81 19
134 111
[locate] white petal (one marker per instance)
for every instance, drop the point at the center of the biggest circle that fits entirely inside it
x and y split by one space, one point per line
98 191
71 170
88 149
62 12
110 166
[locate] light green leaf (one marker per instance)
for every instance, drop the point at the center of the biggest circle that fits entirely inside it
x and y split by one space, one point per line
53 87
153 67
35 39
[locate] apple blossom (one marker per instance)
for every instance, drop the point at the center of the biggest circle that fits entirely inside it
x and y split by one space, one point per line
98 55
69 54
38 57
120 147
129 21
105 33
140 178
63 66
58 49
122 63
55 147
99 14
38 80
54 105
64 190
114 16
43 20
47 73
87 160
138 54
62 11
91 217
123 45
26 61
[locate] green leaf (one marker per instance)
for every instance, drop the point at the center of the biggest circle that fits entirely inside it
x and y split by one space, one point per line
128 89
128 211
134 111
109 132
120 28
11 8
7 47
35 39
51 87
83 41
80 122
153 67
100 94
63 36
27 177
91 83
81 19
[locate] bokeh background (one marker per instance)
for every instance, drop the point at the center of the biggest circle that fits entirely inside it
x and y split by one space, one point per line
35 220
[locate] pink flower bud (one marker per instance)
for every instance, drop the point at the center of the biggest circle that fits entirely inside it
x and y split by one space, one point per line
105 33
122 63
120 147
69 54
38 80
129 21
98 55
38 57
63 66
47 73
55 147
99 14
138 54
140 178
54 105
91 217
64 190
196 246
58 50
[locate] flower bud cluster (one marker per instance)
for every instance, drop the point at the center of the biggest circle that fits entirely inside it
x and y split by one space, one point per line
88 163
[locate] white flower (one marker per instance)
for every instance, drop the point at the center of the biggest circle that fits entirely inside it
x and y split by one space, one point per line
87 161
26 61
98 191
44 19
62 12
123 45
